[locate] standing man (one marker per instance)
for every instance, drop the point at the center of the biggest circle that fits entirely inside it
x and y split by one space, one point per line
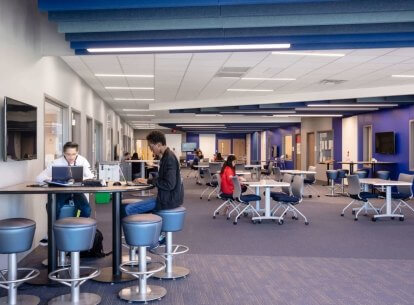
70 158
168 182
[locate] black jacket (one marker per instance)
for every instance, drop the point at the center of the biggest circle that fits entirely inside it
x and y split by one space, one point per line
170 188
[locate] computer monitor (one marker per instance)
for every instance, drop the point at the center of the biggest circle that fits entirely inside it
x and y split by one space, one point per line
64 173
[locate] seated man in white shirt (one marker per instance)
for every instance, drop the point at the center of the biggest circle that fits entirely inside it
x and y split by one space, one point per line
70 158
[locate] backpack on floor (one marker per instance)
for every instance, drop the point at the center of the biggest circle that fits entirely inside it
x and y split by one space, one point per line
97 248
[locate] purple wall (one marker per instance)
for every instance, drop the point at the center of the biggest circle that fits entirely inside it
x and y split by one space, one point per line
337 134
192 138
396 120
255 146
275 137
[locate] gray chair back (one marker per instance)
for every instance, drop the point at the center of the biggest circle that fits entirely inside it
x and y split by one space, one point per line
354 187
208 177
297 187
270 167
239 167
311 177
406 190
214 167
278 174
237 187
287 178
216 177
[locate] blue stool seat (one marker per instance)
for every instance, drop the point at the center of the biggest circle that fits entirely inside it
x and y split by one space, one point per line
361 174
142 230
16 235
74 234
342 173
332 174
383 175
172 219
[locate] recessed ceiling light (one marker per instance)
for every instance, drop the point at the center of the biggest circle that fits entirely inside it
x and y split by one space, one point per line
403 75
268 78
140 115
136 110
307 115
154 49
199 114
125 75
133 99
353 105
309 54
250 90
130 88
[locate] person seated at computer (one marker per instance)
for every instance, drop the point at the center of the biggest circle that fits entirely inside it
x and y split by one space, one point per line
218 157
135 166
168 181
70 157
126 157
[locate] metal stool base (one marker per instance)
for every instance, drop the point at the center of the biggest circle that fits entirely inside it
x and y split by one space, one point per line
126 258
45 262
107 276
22 300
177 272
84 299
131 294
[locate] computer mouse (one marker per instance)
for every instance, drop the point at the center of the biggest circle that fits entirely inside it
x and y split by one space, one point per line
117 183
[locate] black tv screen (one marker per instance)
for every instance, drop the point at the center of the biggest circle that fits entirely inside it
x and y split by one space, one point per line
385 143
20 130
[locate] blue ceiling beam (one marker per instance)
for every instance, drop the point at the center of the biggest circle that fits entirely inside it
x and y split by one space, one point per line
72 5
236 22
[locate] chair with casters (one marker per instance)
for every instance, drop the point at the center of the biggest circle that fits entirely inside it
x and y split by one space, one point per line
243 200
285 191
354 191
332 175
277 173
209 181
384 175
310 180
268 171
289 202
403 194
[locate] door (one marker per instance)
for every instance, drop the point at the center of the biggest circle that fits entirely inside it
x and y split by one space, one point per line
297 152
239 148
224 147
310 149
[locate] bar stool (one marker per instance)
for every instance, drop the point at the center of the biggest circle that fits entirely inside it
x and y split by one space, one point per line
132 251
385 175
361 174
332 175
74 235
342 173
172 221
66 211
142 231
16 236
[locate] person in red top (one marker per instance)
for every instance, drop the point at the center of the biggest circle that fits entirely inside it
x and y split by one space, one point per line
227 172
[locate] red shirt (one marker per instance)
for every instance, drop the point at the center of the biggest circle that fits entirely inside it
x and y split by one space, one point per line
226 183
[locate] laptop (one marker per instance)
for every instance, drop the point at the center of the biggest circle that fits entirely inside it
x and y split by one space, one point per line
66 176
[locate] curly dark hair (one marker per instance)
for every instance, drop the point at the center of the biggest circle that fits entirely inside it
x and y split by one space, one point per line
155 137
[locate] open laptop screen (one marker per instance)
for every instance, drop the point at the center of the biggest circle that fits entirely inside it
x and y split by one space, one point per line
64 173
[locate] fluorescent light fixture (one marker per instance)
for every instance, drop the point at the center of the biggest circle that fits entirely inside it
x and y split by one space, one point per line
211 115
258 112
309 54
268 78
140 114
136 110
250 90
337 109
200 125
133 99
204 127
306 115
230 47
125 75
403 75
130 88
353 105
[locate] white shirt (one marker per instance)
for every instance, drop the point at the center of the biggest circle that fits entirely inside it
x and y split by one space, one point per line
80 161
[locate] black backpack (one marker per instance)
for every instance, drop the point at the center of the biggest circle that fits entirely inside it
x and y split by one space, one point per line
97 248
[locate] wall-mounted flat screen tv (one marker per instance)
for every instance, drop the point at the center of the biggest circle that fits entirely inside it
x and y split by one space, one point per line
189 146
385 143
20 130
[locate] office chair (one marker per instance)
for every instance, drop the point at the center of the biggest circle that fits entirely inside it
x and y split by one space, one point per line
242 200
403 193
354 191
277 173
309 180
209 181
286 191
268 170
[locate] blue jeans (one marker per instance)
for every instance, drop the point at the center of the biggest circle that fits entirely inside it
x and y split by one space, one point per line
140 207
80 201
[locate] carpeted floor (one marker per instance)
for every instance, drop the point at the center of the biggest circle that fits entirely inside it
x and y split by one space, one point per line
334 260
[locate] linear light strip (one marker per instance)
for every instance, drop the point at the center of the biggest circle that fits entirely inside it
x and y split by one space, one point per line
140 115
125 75
191 48
136 110
352 105
403 75
309 54
130 88
338 109
133 99
258 112
306 115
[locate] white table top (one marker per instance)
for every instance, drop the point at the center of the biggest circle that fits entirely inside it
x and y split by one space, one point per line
252 165
243 173
365 162
382 182
266 183
201 166
297 172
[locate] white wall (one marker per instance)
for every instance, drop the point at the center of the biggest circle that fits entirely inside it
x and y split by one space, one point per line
263 146
208 145
350 139
174 143
28 76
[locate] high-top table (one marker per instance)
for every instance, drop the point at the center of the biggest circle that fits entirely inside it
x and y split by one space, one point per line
267 185
109 274
373 164
297 172
388 198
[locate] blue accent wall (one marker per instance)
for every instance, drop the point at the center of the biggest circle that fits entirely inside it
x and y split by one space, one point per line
275 137
337 135
396 120
193 138
255 146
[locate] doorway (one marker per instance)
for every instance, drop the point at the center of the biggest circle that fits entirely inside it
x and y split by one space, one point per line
239 148
224 147
367 142
310 149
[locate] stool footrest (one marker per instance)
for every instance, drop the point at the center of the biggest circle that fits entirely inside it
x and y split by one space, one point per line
67 281
138 274
176 250
4 283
